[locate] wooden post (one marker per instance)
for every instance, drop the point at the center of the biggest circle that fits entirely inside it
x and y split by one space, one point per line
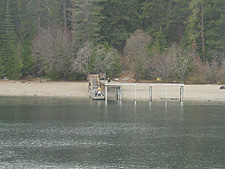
166 92
181 93
150 93
121 93
106 93
135 92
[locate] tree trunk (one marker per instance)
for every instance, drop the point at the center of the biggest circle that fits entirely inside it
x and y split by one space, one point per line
180 30
65 21
202 28
38 6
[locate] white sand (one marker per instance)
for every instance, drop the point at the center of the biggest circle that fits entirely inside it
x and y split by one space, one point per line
80 89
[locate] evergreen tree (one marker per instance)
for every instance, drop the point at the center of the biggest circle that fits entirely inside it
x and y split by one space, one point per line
121 19
160 41
9 51
195 28
206 26
45 12
153 14
2 12
2 67
215 31
25 31
175 20
85 20
165 17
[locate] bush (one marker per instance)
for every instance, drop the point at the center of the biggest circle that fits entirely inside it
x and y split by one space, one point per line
196 78
207 72
171 65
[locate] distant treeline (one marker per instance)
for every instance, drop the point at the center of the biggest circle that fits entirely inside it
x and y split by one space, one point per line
173 40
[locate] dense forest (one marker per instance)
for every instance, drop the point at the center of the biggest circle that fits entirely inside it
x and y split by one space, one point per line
174 40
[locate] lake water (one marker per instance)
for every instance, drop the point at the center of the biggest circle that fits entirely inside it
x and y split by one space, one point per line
40 132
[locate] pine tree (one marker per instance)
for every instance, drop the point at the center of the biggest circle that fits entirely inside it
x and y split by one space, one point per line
160 41
9 52
2 67
121 19
215 31
206 26
167 17
85 20
196 22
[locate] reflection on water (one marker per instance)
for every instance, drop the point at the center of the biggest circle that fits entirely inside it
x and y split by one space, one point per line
71 133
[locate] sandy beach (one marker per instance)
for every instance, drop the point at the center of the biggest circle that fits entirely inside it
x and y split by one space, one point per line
61 89
80 89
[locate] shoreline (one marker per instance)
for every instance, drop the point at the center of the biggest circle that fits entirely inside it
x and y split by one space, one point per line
80 90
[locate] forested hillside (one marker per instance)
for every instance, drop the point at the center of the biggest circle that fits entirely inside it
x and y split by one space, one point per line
174 40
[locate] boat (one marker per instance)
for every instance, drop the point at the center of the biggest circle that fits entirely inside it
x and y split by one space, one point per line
94 88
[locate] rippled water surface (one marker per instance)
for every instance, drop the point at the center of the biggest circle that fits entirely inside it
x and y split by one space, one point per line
71 133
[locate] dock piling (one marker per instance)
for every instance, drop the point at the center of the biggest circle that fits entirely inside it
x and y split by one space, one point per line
106 93
150 93
181 93
135 93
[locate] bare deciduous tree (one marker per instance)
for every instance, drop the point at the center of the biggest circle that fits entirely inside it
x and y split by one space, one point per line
213 72
104 59
170 65
91 59
135 51
51 50
82 61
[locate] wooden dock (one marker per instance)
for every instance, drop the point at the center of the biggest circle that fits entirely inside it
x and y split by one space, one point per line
94 89
149 89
